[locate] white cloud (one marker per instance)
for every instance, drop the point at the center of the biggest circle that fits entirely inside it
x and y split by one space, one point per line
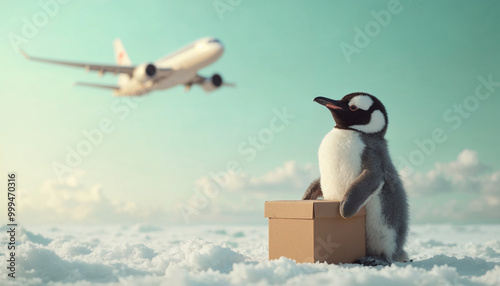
240 197
70 200
464 190
289 178
466 165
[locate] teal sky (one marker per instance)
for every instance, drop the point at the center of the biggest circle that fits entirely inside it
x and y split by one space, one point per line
279 53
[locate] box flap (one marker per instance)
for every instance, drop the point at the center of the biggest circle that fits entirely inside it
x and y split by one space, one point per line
304 209
289 209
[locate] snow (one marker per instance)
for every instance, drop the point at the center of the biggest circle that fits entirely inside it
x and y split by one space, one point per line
237 255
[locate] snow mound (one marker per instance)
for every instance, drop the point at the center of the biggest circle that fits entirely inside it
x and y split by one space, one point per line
204 255
36 261
199 255
464 266
22 235
491 277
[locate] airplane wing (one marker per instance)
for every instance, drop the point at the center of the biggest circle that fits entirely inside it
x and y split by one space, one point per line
98 67
97 85
231 84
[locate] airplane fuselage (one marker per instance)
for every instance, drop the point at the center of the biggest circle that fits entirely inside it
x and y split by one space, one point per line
185 62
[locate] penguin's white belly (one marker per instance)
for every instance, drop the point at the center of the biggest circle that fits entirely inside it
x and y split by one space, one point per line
339 162
380 238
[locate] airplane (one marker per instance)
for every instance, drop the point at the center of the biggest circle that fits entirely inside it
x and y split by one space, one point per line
178 68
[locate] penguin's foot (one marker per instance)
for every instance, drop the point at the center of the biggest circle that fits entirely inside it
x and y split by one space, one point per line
372 261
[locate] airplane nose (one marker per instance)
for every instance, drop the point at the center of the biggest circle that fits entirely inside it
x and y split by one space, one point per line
219 48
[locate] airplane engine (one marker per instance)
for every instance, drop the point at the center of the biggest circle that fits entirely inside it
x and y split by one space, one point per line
145 73
212 83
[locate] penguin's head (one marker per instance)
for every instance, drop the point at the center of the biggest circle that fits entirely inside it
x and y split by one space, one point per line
358 111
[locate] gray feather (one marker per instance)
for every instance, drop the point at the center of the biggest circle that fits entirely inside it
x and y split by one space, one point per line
313 191
392 196
362 188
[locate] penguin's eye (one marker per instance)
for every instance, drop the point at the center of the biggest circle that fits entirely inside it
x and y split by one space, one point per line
353 107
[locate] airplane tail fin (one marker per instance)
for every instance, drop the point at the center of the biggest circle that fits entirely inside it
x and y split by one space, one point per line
122 59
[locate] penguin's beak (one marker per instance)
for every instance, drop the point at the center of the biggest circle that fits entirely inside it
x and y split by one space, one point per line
330 103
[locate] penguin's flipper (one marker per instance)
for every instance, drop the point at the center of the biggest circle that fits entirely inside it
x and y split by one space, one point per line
372 261
368 182
313 191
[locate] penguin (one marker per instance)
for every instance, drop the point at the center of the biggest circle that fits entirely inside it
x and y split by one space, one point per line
356 169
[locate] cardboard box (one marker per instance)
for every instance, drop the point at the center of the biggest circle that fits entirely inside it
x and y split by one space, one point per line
314 230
